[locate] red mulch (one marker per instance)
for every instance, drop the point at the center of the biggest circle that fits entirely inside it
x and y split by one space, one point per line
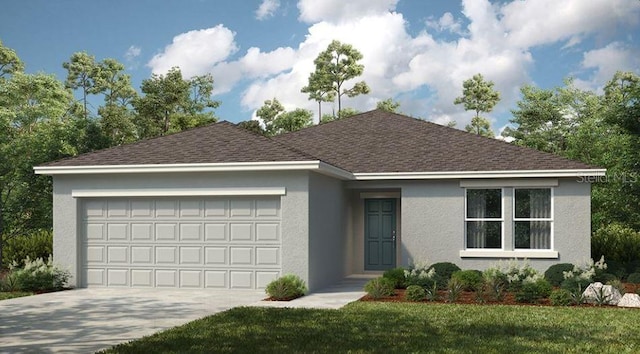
469 297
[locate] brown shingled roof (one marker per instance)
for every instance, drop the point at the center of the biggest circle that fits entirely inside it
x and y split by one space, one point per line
215 143
370 142
379 141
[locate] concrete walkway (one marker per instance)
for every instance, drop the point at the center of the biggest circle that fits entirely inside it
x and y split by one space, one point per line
88 320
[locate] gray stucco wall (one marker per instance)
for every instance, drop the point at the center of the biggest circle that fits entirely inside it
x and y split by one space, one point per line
432 223
327 224
294 208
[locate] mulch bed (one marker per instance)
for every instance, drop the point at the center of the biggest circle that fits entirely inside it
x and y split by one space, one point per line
469 297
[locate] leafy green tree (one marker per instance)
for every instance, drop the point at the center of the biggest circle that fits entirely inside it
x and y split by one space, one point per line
82 71
10 63
388 105
277 121
117 120
334 67
252 126
293 120
35 127
318 91
171 103
478 95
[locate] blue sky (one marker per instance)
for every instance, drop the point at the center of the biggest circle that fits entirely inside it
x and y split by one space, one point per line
417 52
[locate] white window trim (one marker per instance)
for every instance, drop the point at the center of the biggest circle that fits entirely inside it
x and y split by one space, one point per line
513 217
501 219
489 253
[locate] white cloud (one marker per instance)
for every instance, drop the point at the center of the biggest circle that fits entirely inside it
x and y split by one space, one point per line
446 23
195 52
313 11
536 22
606 61
132 53
267 9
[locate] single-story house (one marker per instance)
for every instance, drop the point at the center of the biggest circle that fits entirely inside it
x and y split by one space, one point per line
221 207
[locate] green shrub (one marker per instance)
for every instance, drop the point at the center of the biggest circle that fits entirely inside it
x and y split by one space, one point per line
494 285
554 274
379 287
38 244
287 287
443 271
512 273
471 279
634 278
397 276
454 289
617 269
633 266
616 242
38 275
532 292
415 293
561 297
420 274
604 277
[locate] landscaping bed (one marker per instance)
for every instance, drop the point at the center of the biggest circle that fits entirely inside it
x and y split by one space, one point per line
471 297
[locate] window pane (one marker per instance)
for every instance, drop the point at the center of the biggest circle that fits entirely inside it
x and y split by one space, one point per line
533 234
484 234
484 203
533 203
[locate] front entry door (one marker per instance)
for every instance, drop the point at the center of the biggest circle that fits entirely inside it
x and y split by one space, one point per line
379 234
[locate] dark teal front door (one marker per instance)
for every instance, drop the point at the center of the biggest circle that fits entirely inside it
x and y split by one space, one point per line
379 234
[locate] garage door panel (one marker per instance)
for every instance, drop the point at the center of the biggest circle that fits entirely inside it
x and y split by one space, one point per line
190 232
166 209
267 232
117 277
190 279
167 278
142 208
117 208
117 232
95 254
142 232
191 255
241 232
215 255
141 255
241 279
117 254
181 242
215 232
95 277
142 278
167 232
95 231
240 255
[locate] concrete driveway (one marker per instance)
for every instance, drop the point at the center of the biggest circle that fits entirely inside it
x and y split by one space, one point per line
87 320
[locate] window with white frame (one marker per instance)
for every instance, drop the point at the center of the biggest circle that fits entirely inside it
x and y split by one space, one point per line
533 218
484 220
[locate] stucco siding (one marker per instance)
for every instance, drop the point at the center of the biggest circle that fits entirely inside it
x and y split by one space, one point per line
327 236
294 208
433 227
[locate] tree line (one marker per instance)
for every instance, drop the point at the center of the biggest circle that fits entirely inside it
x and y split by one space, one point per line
44 119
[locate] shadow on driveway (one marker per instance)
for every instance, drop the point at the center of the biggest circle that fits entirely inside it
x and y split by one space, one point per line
87 320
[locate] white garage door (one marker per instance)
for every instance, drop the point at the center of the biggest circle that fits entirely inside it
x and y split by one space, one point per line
180 242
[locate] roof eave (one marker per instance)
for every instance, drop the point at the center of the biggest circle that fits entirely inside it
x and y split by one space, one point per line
312 165
578 173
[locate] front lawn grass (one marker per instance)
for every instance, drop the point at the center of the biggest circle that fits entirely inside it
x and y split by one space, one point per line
403 327
4 295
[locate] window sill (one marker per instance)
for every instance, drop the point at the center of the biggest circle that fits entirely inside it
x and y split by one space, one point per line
529 254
